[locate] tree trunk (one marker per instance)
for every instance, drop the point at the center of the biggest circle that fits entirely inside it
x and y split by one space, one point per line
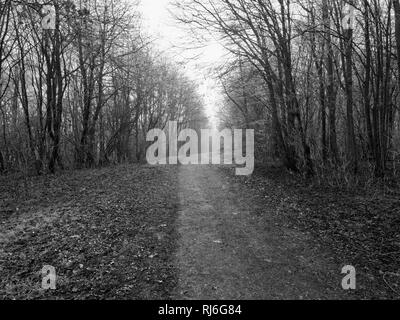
331 94
351 148
367 80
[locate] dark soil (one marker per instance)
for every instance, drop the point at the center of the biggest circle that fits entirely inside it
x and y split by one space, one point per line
359 226
234 245
141 232
109 233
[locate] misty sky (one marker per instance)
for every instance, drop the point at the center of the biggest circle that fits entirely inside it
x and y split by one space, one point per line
172 38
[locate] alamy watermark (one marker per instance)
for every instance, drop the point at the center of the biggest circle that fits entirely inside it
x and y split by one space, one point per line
348 20
211 149
48 20
49 278
349 281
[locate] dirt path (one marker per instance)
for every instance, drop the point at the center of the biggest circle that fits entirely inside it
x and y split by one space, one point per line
232 247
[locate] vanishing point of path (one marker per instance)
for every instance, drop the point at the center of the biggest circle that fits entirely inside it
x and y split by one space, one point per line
231 247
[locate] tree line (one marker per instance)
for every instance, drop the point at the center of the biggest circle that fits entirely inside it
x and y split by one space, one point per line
318 80
86 90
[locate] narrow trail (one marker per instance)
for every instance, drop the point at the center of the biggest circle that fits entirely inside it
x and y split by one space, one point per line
228 250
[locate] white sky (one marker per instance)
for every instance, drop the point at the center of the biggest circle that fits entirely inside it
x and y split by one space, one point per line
170 37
